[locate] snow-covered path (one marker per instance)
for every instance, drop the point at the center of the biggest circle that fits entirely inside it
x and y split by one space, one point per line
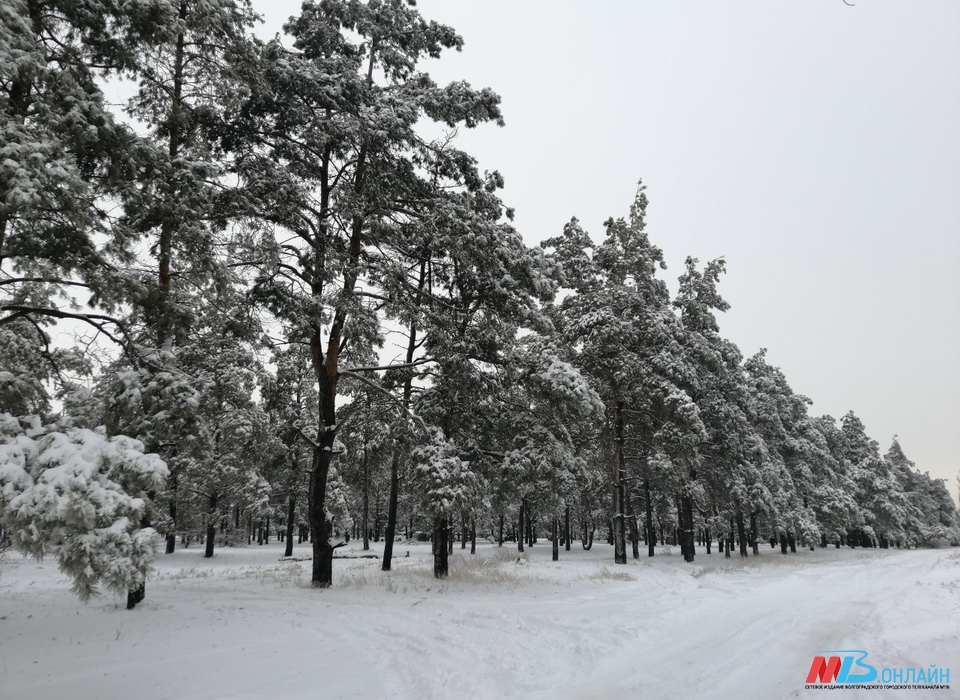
245 626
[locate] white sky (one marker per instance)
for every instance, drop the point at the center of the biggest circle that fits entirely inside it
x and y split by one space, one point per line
814 145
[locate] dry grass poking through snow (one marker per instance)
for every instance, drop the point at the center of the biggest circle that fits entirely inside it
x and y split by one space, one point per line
604 574
282 575
500 569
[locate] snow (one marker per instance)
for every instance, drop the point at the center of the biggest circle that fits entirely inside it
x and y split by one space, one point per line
246 625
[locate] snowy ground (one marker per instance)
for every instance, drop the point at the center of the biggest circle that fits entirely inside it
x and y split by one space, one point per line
246 625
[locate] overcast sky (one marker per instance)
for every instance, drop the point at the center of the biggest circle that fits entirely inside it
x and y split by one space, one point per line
814 145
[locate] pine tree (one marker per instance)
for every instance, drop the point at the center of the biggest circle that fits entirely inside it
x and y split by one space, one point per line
620 319
76 495
331 161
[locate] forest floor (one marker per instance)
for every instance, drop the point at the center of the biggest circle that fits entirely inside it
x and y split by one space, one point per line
246 625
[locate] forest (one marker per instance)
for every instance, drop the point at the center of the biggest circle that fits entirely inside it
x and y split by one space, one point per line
268 296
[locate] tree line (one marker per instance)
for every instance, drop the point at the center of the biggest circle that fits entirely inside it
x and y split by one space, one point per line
269 287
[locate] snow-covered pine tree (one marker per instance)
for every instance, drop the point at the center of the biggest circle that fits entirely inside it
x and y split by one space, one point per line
879 494
81 497
332 163
220 359
732 455
189 83
290 399
931 514
619 319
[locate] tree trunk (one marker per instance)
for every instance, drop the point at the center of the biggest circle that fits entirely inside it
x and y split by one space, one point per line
136 596
783 543
753 533
392 509
322 573
620 480
463 531
500 535
556 538
211 526
291 516
651 535
366 501
441 552
473 536
523 507
791 540
632 522
172 535
566 528
741 533
686 528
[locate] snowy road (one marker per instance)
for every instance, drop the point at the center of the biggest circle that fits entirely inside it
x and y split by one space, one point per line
245 626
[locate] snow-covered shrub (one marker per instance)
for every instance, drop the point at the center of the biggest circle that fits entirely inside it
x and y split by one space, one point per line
79 496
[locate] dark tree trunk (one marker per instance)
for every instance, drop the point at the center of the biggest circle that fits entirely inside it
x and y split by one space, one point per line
619 531
686 528
322 573
366 502
463 531
523 507
211 526
392 509
556 538
500 534
634 531
741 533
706 538
136 596
566 528
791 540
783 543
266 531
473 536
395 461
586 537
441 551
291 516
753 534
651 535
172 535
